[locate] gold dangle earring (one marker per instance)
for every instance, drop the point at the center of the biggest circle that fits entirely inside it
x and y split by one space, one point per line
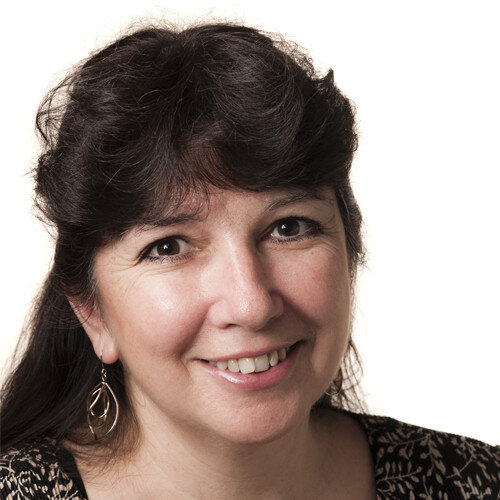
98 406
336 383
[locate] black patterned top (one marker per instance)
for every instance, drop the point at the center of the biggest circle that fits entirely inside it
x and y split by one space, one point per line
410 463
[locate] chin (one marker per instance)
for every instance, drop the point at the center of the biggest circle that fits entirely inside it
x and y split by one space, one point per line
260 424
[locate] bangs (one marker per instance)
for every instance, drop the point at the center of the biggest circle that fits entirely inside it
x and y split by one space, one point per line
166 161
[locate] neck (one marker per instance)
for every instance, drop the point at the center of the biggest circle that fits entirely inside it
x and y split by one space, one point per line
325 455
173 462
191 463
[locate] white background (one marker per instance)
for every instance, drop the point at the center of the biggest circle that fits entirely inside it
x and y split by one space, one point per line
425 78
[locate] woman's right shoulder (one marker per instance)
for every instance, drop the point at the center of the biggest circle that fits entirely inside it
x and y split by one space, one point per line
34 471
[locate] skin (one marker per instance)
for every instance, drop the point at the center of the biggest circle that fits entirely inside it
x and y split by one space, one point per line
235 282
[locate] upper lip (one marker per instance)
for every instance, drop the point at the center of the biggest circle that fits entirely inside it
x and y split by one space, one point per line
250 354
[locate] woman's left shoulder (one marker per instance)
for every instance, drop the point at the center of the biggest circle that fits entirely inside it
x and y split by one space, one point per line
412 458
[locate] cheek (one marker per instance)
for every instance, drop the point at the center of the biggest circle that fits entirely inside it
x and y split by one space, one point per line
153 315
319 289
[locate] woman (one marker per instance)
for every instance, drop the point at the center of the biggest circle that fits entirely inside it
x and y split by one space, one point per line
192 339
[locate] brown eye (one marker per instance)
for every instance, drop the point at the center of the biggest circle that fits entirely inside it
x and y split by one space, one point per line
168 247
288 227
294 229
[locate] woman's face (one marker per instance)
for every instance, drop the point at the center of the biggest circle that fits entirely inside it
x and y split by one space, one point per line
246 275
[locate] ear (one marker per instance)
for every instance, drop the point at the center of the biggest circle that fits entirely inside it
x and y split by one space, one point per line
91 319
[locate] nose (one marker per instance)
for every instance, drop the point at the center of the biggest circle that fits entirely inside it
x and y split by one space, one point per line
242 291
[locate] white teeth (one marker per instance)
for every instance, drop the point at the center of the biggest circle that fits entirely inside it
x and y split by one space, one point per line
251 365
273 358
221 365
247 365
232 364
261 363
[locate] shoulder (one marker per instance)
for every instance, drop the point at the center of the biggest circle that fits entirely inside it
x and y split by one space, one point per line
412 460
34 471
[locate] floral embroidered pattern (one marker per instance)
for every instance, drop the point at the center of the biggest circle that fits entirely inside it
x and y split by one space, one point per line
33 472
415 463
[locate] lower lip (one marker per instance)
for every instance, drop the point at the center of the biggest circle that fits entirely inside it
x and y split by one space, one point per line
260 380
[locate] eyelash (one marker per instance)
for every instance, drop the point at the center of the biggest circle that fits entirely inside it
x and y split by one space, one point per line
314 228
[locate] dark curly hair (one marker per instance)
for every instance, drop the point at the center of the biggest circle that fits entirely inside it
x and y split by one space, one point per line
152 117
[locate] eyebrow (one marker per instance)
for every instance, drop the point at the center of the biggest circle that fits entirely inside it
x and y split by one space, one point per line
194 216
174 218
295 197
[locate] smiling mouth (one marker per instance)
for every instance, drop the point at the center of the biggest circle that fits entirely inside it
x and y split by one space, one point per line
258 364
